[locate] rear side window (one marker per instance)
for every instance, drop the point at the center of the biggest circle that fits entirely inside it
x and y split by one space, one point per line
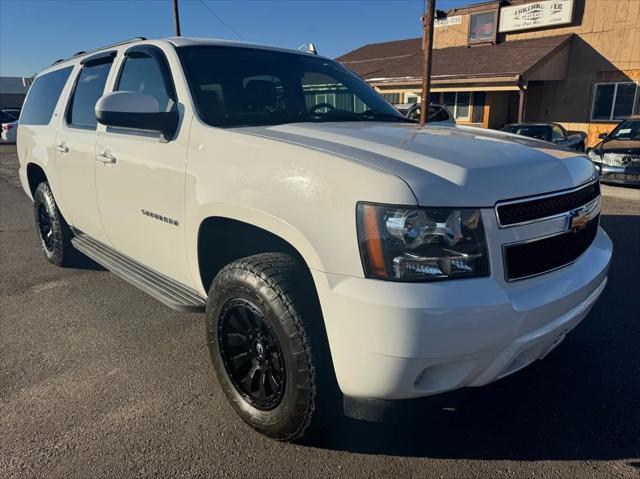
43 96
89 88
141 74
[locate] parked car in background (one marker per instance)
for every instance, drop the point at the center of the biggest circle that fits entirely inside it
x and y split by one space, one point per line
437 113
8 131
552 132
617 156
8 124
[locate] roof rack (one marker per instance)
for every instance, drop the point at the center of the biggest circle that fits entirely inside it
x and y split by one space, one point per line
117 44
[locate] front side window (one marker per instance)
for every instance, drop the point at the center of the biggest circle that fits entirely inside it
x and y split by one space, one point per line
43 97
235 86
142 74
614 101
88 90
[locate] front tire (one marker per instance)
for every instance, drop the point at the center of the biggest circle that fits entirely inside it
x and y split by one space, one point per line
53 231
265 344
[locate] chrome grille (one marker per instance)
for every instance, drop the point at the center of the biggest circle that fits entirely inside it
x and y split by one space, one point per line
516 212
621 159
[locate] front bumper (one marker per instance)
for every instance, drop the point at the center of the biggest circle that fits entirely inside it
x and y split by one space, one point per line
404 340
619 175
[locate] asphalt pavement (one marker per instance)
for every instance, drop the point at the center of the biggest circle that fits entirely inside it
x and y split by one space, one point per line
97 379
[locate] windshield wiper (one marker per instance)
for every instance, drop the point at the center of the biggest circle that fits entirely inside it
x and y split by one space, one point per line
376 115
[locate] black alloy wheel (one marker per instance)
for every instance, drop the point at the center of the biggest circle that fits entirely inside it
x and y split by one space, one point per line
53 231
45 226
251 354
268 346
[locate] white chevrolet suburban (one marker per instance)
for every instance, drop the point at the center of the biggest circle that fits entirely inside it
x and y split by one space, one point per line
338 249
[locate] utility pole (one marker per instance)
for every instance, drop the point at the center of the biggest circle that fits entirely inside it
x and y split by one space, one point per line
427 23
176 17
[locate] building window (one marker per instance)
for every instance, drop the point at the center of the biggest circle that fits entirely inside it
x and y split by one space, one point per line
614 101
393 98
458 103
482 27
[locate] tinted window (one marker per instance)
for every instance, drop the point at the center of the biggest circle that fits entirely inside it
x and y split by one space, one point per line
540 132
89 88
143 75
43 96
244 86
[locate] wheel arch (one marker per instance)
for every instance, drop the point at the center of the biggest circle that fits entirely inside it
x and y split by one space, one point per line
222 240
35 176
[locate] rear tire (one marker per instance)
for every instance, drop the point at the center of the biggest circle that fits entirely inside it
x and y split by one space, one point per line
268 346
53 231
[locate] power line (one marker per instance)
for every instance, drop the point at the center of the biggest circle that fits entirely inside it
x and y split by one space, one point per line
221 20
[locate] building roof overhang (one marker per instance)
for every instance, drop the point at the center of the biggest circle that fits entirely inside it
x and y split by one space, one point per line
511 64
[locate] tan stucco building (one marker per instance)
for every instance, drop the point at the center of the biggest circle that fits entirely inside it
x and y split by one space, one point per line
575 62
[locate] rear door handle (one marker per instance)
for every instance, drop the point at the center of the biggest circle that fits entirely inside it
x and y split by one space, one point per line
62 147
106 157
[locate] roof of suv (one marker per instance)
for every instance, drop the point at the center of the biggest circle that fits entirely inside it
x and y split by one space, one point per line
175 41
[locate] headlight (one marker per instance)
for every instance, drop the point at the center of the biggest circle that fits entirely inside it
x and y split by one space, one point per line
593 156
421 244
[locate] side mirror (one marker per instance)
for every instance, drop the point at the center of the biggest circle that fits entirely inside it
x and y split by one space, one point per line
603 136
127 109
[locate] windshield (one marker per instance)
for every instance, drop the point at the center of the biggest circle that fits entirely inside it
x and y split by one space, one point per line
627 130
234 86
539 132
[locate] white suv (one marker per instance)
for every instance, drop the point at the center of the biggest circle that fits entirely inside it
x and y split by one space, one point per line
336 246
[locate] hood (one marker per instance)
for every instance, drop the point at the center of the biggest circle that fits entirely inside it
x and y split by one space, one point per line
445 165
619 146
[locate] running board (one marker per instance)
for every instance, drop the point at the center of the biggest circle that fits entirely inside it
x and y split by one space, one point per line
161 287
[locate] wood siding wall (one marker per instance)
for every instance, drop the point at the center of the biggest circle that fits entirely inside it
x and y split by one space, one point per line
610 27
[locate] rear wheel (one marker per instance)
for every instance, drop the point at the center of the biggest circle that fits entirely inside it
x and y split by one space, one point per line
267 347
53 231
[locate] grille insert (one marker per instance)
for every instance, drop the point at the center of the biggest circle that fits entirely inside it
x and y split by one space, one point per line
536 257
524 211
621 159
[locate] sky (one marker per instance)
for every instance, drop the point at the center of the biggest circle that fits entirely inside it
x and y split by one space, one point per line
35 33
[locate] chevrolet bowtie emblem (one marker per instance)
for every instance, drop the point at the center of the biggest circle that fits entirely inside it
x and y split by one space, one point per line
579 218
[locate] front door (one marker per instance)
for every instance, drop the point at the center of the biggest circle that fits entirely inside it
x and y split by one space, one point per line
75 148
140 176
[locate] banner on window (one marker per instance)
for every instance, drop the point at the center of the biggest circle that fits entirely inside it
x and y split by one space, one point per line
540 14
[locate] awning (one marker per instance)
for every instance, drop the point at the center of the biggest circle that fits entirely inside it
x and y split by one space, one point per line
502 66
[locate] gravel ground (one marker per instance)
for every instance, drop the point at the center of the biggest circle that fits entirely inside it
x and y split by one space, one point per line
98 379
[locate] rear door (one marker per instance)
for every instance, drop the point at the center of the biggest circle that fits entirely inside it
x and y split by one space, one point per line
76 146
141 187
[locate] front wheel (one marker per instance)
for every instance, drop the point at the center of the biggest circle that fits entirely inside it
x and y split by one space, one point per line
265 344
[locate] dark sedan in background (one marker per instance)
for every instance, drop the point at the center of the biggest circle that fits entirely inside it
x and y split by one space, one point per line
617 156
552 132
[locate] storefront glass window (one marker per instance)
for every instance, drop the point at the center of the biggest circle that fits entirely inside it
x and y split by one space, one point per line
462 104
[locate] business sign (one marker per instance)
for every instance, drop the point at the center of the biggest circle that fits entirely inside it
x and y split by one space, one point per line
448 21
540 14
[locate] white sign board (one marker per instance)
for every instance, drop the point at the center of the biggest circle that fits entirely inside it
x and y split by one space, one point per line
539 14
445 22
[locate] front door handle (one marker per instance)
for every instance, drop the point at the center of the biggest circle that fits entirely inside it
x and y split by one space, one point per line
62 147
106 157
